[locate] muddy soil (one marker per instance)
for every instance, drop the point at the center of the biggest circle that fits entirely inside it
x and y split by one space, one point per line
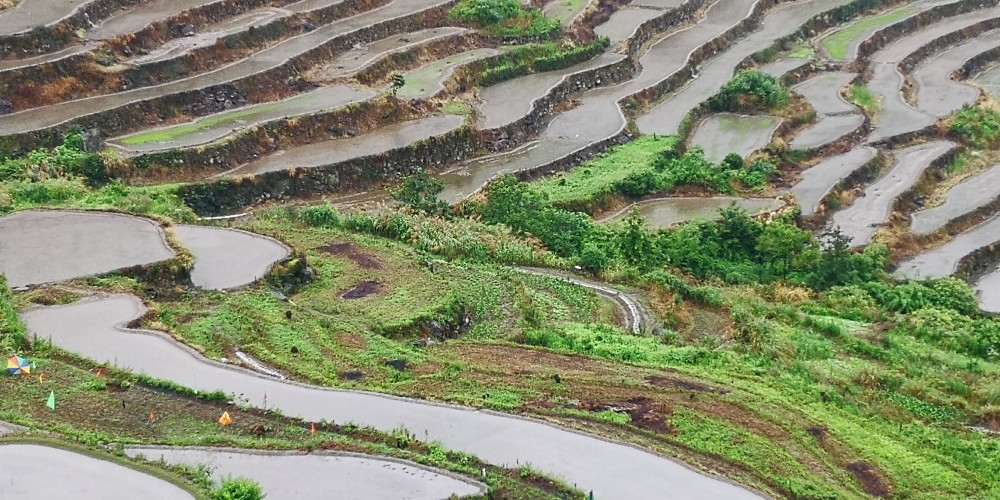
227 258
662 213
353 253
361 290
861 220
611 470
817 181
41 246
974 192
81 476
293 475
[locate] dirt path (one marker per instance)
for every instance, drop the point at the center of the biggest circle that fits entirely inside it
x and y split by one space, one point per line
41 246
860 221
228 258
972 193
88 328
28 472
296 475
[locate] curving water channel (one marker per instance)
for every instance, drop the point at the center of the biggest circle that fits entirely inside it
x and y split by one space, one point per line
835 117
860 221
29 471
296 475
91 329
944 260
939 95
48 116
42 247
817 181
975 192
228 258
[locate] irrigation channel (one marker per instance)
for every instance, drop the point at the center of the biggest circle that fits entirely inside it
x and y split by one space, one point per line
672 76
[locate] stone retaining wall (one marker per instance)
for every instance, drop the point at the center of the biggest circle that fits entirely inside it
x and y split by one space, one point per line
883 37
265 86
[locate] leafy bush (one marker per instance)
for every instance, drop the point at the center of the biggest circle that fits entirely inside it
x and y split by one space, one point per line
504 17
977 126
541 57
238 489
419 193
750 91
12 332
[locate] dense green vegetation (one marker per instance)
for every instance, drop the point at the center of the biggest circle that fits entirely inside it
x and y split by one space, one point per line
238 489
534 58
750 91
505 17
977 126
864 99
69 177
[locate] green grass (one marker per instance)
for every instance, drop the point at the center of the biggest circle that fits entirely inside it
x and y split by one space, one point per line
457 108
595 176
864 99
802 51
175 133
836 44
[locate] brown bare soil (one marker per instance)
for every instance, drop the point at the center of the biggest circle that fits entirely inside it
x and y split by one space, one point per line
361 290
352 252
870 479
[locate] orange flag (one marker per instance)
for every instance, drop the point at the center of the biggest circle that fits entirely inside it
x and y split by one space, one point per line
225 420
41 378
100 372
313 430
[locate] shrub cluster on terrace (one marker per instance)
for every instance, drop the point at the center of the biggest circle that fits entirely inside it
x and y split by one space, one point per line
504 17
750 91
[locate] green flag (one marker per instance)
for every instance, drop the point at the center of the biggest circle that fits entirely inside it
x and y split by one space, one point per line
52 400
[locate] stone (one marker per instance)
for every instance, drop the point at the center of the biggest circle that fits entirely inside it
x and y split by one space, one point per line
186 30
6 107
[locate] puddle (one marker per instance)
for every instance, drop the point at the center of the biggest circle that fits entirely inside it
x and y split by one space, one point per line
662 213
726 133
972 193
817 181
860 221
48 246
227 258
826 130
295 476
79 476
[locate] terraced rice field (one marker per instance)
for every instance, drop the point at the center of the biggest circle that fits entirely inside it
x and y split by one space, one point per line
291 102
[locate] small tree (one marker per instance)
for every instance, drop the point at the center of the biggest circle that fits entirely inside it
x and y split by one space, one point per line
419 192
398 82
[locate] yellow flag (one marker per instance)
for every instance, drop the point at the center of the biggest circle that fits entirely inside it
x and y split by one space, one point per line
225 420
